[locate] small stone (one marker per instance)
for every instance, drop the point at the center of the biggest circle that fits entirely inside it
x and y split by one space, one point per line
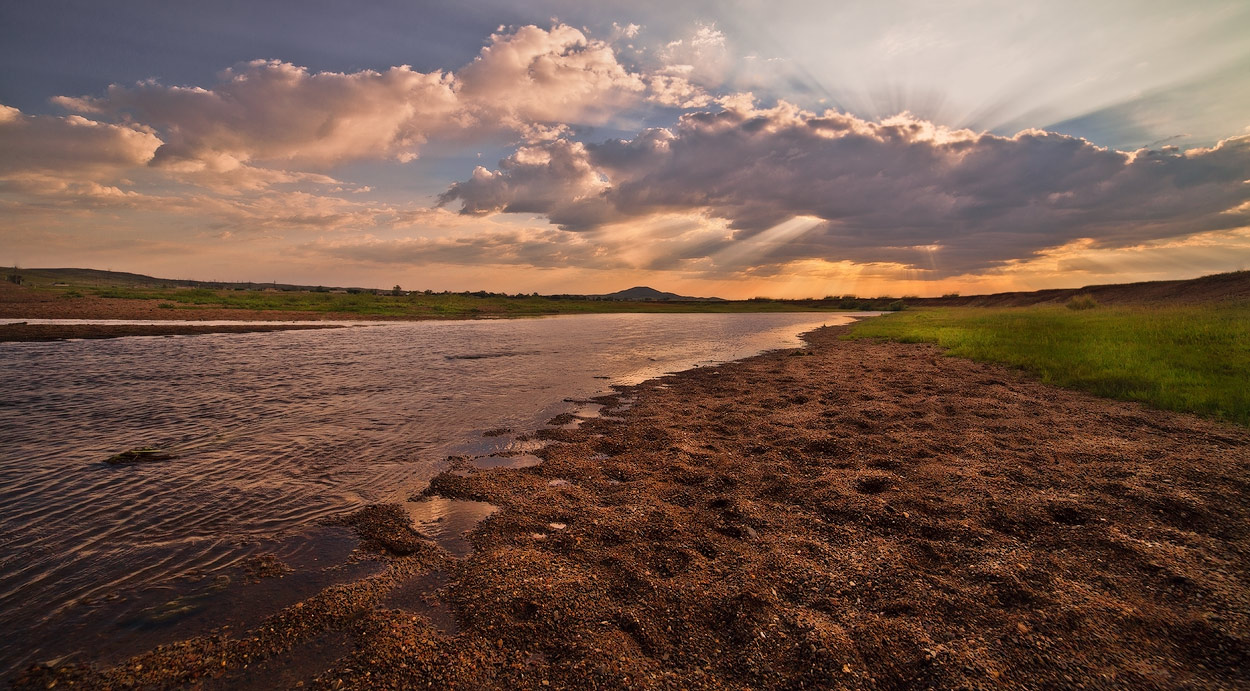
558 483
557 526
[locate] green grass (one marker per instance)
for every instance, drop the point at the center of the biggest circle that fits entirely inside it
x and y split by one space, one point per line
1186 358
456 305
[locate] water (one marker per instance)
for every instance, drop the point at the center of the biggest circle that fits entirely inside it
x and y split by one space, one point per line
273 432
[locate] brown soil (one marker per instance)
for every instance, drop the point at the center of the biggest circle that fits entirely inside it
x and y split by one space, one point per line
872 515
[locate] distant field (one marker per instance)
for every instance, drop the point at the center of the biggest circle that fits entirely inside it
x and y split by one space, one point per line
1184 358
414 305
420 305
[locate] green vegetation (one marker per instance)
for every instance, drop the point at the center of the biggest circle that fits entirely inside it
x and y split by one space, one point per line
1081 302
418 305
396 303
1189 358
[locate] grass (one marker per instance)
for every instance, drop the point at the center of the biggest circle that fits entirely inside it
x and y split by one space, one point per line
183 294
419 305
1186 358
422 305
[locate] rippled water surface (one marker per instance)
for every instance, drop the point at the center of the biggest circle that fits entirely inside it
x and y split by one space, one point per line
272 432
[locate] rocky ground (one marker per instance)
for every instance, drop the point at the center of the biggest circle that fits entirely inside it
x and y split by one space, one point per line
851 515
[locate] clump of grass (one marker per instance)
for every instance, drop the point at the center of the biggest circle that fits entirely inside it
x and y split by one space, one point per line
1081 302
1190 358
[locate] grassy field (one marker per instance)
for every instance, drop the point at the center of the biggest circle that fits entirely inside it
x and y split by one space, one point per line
1185 358
420 305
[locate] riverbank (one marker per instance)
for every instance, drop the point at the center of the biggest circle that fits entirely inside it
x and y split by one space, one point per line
24 333
202 304
853 514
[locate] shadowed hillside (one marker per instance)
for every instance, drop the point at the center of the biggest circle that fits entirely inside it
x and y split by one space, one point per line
1213 288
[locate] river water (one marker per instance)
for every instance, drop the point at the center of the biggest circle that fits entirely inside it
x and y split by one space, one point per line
273 432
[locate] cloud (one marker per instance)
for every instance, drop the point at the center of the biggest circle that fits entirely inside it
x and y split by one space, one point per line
702 57
533 75
541 248
277 116
266 110
69 157
901 190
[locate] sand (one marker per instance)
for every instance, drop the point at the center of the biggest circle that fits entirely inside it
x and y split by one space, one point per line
851 515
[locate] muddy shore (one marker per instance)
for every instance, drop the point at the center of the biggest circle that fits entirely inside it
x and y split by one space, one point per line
849 515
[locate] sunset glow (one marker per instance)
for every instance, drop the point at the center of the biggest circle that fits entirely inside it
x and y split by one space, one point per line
730 149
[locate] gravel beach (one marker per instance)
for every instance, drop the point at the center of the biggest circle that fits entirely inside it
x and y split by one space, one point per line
849 515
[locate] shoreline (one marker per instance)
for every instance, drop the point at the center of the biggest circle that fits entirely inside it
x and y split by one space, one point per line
29 333
850 514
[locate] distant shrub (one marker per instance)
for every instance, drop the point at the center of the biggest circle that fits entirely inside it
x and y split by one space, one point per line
951 295
896 306
166 305
1082 302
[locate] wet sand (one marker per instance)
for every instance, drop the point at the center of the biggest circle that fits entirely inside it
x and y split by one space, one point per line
60 332
852 515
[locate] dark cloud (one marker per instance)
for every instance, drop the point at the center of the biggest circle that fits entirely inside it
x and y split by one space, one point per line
900 190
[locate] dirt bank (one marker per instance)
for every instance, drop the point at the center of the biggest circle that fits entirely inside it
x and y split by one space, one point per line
862 515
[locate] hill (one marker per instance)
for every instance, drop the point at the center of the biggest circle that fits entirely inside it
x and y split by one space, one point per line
1213 288
646 294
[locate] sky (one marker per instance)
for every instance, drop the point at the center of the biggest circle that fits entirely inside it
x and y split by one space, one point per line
735 148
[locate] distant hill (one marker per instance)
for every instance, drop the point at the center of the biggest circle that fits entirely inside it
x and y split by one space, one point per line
1213 288
116 279
1216 287
645 294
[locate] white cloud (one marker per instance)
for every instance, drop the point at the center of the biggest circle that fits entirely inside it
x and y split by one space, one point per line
70 158
533 75
279 116
702 57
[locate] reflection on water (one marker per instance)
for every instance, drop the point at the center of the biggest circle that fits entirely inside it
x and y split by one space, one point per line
273 432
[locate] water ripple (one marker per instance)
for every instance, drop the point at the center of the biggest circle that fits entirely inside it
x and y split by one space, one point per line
273 432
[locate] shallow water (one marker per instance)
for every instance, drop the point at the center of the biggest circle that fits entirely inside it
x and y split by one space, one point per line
273 432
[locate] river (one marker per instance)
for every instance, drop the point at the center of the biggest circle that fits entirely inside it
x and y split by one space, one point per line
272 433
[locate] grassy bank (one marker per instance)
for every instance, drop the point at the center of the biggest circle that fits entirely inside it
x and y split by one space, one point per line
1185 358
